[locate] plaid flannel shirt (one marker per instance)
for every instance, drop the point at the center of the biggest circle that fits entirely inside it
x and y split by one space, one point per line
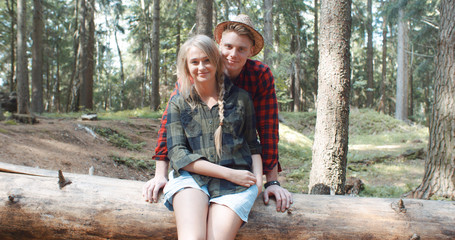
190 136
257 79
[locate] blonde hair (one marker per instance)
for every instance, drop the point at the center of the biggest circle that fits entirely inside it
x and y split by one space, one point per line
186 88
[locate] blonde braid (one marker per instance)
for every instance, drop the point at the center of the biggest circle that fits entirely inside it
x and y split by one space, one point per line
219 130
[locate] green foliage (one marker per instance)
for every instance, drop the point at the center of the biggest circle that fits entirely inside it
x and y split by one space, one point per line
118 139
131 162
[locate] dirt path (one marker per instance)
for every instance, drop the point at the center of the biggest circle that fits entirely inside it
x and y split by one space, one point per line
68 145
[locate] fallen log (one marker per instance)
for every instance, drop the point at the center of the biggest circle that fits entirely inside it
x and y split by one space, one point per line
33 206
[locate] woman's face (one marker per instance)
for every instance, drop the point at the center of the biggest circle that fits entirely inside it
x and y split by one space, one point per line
199 65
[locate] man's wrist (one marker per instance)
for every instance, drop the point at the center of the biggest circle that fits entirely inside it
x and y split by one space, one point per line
270 183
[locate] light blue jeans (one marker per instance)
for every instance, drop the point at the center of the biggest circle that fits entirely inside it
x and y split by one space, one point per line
241 203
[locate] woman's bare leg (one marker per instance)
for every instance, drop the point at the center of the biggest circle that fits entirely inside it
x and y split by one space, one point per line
222 223
190 210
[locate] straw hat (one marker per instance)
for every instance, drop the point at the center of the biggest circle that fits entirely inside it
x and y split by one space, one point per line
245 21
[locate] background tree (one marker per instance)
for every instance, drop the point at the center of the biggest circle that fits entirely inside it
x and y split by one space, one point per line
155 95
37 58
22 64
382 98
369 64
204 15
440 162
401 111
12 32
315 45
123 40
268 31
328 170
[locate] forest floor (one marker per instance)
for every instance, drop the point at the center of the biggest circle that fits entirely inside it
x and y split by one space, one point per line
124 148
71 146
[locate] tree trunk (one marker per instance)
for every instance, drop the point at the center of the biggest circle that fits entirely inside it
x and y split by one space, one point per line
90 55
12 15
383 97
401 110
74 73
83 56
439 178
330 148
37 58
23 95
155 103
315 48
297 67
92 207
268 31
204 14
370 77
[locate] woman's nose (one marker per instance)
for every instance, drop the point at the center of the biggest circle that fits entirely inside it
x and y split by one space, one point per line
201 65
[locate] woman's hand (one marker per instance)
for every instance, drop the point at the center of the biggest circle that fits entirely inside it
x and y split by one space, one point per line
241 177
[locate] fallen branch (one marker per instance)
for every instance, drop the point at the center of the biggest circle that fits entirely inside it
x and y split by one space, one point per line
92 207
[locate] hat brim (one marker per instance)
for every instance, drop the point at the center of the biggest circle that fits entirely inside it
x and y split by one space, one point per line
258 39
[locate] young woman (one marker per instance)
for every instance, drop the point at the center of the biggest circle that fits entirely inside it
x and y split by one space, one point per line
213 148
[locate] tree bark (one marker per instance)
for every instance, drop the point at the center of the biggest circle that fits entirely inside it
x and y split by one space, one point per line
90 55
92 207
13 36
268 31
382 101
23 96
370 77
439 178
330 148
37 58
401 111
155 96
297 65
204 15
316 48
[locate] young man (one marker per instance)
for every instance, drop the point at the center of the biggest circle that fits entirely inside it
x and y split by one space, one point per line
238 41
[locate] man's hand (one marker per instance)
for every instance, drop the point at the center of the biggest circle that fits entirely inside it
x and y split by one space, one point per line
151 189
282 196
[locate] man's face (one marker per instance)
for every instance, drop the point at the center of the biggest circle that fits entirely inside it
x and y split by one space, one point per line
235 50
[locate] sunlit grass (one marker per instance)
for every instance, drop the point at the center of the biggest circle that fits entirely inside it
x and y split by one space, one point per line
134 113
111 115
372 135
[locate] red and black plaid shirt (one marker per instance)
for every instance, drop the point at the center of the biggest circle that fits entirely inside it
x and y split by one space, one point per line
257 79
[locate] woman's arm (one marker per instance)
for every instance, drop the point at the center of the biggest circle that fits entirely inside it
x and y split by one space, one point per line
257 170
240 177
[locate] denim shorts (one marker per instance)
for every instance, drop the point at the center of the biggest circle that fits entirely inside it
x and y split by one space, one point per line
241 203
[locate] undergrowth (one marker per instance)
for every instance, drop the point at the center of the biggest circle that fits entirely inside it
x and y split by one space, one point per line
118 139
372 136
131 162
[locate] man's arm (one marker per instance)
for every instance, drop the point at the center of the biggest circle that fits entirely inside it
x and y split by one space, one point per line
151 189
266 106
